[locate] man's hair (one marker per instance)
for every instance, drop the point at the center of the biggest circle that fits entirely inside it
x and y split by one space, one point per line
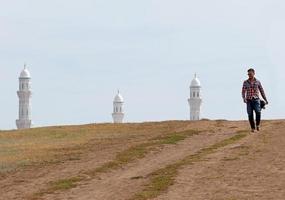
251 70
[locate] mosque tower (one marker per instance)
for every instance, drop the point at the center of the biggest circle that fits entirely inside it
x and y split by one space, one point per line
24 94
195 99
118 112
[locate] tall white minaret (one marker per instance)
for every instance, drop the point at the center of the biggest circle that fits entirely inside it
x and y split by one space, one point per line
24 95
195 99
118 112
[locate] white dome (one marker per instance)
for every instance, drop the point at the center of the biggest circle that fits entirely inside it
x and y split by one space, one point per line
195 82
25 73
118 98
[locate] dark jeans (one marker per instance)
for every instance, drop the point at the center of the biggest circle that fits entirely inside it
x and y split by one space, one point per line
254 105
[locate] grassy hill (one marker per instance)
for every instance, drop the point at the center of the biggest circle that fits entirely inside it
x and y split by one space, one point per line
156 160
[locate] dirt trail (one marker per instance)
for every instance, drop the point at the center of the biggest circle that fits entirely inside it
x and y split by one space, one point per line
251 169
124 183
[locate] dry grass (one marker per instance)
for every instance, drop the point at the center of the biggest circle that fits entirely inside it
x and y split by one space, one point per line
43 146
24 148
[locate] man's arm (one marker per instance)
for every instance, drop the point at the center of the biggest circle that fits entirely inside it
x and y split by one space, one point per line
243 92
262 92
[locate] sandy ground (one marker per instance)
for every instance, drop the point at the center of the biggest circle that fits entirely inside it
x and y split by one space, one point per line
253 168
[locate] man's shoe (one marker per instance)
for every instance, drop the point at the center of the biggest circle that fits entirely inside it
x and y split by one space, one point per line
257 128
252 130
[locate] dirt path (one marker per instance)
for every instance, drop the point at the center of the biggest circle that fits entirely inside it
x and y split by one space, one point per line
124 183
251 169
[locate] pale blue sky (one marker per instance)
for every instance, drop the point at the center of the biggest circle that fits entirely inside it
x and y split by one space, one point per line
80 52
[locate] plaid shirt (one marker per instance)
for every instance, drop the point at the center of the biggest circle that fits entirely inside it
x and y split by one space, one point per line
251 89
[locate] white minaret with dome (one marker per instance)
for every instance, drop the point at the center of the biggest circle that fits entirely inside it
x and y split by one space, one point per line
195 99
24 94
118 111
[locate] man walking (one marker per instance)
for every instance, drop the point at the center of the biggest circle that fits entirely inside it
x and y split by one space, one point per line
250 94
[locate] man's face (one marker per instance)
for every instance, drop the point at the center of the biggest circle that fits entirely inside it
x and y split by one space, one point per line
251 74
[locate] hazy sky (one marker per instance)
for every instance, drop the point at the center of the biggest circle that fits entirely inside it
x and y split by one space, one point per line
80 52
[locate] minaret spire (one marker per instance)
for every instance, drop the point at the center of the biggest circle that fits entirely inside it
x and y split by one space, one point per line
24 93
195 99
118 108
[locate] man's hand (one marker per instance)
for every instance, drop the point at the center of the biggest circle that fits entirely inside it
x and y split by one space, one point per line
266 102
244 100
